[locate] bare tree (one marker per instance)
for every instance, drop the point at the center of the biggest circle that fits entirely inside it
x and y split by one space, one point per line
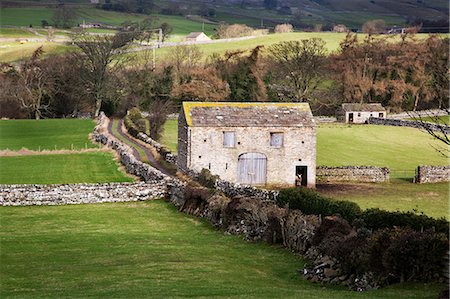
298 66
436 124
101 56
29 85
185 58
374 27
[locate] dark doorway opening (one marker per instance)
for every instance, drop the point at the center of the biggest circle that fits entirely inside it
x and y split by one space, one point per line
301 175
350 117
380 114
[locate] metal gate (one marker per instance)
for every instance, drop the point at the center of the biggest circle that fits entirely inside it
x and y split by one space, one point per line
252 169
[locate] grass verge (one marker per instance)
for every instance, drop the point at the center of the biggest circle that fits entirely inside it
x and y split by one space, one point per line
89 167
148 249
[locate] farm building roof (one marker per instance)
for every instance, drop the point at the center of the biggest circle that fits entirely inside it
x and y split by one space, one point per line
362 107
226 114
194 34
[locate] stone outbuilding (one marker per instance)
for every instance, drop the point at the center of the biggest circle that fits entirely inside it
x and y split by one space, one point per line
197 37
360 113
249 143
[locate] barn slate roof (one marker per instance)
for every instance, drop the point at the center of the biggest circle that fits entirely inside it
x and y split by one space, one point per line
373 107
236 114
194 34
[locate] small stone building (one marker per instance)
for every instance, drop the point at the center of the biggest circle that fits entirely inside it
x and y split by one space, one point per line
249 143
359 113
197 37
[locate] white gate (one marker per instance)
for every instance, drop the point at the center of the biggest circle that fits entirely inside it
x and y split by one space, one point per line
252 169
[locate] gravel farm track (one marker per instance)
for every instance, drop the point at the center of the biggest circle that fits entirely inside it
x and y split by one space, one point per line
138 147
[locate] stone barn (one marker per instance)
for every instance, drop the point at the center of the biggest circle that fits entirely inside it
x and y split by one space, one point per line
197 37
249 143
359 113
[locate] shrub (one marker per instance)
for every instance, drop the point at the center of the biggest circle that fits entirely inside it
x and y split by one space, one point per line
134 114
311 202
283 28
132 129
377 219
414 255
207 179
235 30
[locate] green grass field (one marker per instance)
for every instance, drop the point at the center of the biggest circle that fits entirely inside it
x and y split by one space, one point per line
14 51
45 134
399 148
15 32
444 119
88 167
149 250
398 195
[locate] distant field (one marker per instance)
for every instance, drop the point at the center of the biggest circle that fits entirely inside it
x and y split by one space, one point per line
150 250
88 167
45 134
34 15
15 32
14 51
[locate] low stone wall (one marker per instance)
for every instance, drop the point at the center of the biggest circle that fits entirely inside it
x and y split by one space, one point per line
131 164
26 195
408 123
432 174
370 174
162 150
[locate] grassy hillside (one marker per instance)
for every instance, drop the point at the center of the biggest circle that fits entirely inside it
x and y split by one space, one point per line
88 167
24 16
149 250
45 134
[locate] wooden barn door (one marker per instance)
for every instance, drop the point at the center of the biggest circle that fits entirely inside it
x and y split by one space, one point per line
252 169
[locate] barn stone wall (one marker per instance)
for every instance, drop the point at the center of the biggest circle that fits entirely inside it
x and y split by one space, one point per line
407 123
370 174
26 195
299 149
432 174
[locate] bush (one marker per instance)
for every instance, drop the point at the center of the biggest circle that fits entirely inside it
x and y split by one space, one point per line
377 219
235 30
415 256
283 28
132 129
311 202
134 114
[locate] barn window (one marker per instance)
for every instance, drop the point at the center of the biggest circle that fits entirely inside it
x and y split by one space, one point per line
359 114
229 139
276 139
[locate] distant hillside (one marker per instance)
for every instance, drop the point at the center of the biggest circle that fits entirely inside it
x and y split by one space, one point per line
268 13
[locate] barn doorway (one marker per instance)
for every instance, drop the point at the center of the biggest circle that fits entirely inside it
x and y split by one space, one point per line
301 175
350 117
252 169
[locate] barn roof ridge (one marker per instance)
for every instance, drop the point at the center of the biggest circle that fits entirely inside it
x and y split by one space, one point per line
262 114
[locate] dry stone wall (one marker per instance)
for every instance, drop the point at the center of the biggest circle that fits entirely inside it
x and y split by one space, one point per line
26 195
131 164
162 150
408 123
432 174
370 174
